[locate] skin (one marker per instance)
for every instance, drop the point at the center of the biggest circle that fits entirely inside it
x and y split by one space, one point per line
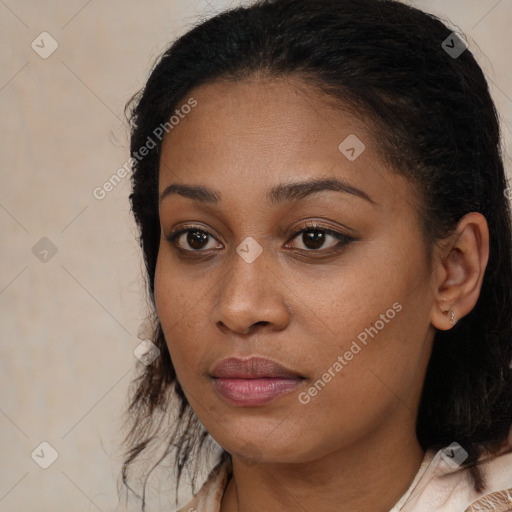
353 446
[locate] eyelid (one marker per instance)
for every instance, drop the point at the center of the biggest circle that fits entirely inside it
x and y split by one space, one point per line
184 228
343 239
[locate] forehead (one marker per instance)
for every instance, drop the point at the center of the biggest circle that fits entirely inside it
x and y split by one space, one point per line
264 113
249 135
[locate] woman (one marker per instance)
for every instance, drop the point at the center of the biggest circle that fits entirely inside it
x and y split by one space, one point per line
320 194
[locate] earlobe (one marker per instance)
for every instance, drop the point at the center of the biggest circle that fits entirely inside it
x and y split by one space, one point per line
459 269
444 319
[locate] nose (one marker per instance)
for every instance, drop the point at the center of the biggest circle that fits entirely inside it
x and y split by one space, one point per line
251 296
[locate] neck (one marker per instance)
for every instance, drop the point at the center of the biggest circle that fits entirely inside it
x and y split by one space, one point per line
370 474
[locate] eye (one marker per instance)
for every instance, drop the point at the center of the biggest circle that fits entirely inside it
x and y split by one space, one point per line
315 236
196 239
192 239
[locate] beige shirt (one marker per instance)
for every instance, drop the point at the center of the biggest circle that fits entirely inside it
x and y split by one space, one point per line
437 487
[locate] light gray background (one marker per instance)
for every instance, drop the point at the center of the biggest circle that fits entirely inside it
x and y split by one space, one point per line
69 326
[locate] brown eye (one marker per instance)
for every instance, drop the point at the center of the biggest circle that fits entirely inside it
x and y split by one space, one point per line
314 238
195 240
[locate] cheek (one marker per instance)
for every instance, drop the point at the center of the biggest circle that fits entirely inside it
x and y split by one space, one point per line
376 320
351 298
181 311
165 293
373 381
169 302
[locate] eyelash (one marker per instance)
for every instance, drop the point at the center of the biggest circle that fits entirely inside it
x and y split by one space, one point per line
309 226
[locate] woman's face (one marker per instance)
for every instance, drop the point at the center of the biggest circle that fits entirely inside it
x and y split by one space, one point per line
345 307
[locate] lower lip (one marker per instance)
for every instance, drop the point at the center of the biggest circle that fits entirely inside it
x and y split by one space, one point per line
252 392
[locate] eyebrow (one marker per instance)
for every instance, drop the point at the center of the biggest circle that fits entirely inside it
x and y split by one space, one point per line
283 193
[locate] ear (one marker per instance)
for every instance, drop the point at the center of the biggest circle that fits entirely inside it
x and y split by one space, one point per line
458 270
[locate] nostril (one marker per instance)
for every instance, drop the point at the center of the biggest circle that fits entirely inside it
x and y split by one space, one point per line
261 322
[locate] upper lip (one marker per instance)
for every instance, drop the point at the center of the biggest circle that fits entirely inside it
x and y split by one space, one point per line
251 368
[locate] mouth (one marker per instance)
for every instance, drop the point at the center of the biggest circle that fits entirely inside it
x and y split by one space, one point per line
254 381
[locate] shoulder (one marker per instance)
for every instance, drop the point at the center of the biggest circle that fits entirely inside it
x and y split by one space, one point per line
209 497
447 487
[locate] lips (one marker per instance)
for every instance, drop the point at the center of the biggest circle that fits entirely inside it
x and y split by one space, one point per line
252 368
254 381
